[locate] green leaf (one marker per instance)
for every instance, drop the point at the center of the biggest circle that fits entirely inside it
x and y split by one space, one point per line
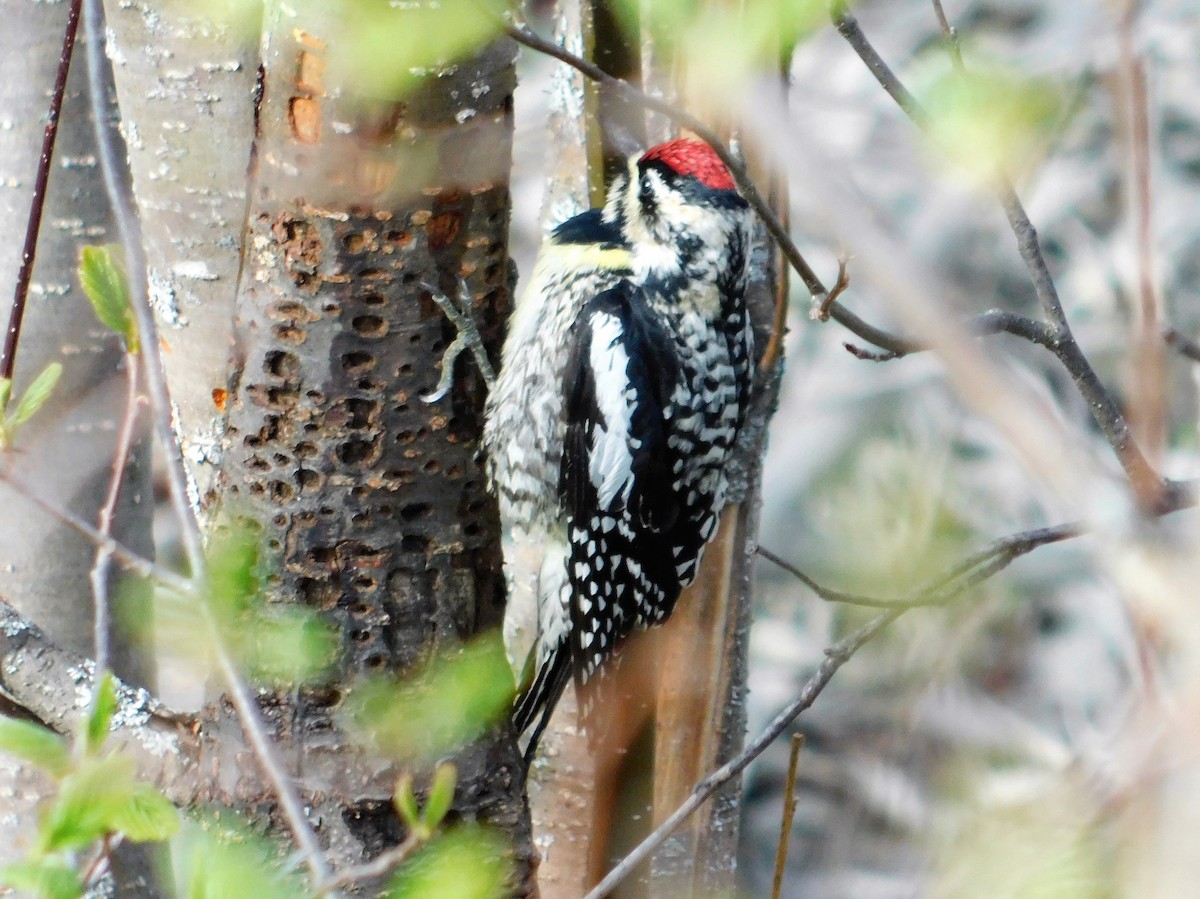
441 794
218 861
469 862
454 700
35 395
35 744
233 579
46 877
5 394
147 817
286 644
103 279
406 802
90 798
104 704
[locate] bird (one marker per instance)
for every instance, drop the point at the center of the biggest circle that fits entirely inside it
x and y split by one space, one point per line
624 382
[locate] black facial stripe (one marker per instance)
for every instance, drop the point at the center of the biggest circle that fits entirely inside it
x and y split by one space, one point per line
691 187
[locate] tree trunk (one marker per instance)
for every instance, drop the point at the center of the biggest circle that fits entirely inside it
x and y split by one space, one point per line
372 505
65 453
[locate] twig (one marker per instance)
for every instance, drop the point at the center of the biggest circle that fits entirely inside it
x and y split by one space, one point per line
100 567
1105 411
127 557
949 584
129 228
785 821
821 310
376 867
835 656
1189 349
951 35
8 356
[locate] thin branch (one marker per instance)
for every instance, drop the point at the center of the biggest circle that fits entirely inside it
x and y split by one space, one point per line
8 356
949 584
100 567
1189 349
127 557
951 35
835 656
382 864
785 820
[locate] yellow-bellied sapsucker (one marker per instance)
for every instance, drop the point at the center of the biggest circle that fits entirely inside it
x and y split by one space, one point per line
623 386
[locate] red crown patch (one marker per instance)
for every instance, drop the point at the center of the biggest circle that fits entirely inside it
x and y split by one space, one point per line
692 157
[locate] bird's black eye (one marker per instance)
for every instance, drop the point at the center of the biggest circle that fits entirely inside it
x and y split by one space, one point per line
646 192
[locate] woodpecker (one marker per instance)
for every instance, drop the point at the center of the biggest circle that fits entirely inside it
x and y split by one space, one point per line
623 386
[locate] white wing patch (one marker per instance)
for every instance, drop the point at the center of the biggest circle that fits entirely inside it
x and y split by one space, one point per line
611 464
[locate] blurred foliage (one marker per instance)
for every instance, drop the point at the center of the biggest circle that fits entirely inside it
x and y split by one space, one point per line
441 797
989 117
387 49
36 745
453 700
893 518
273 643
97 797
379 48
218 856
1031 839
468 862
34 397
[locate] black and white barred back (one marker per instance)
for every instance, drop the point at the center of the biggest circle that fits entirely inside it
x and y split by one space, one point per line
623 388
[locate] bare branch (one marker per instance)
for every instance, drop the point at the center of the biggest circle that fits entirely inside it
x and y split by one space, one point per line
56 687
1189 349
104 555
126 557
949 584
8 356
1147 484
785 820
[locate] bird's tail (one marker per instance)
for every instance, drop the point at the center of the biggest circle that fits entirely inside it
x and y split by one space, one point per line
537 702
